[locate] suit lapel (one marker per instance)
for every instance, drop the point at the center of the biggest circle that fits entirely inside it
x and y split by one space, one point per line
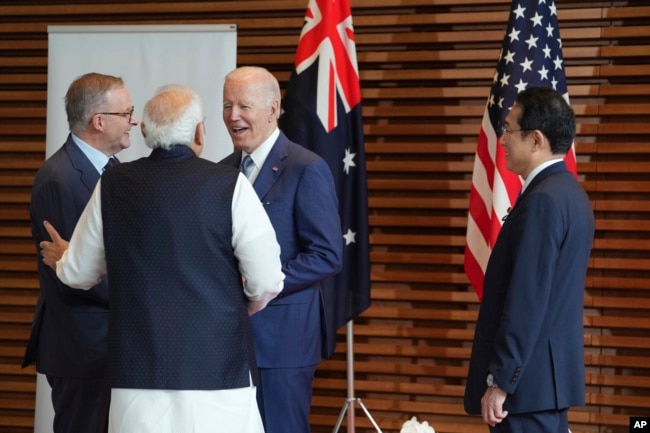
87 172
273 166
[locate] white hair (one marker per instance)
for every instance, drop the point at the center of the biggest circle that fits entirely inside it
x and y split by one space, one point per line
171 117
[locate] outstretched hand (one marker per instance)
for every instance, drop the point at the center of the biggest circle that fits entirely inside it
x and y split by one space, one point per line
52 251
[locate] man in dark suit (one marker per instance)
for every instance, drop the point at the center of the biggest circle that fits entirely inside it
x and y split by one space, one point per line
527 363
70 328
297 190
176 234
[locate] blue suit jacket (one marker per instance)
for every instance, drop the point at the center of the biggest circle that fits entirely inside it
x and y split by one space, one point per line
297 190
70 328
529 332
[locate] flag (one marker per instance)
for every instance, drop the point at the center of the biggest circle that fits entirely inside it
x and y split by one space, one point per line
531 55
322 111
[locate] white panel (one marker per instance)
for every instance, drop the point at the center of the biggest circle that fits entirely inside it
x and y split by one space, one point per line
146 57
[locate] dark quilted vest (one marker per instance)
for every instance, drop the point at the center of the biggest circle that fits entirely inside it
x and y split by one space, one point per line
178 317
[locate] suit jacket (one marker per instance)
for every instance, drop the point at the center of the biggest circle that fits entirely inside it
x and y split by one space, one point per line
529 332
297 190
70 328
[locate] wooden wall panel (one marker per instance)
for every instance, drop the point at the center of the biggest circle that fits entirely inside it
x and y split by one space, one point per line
426 68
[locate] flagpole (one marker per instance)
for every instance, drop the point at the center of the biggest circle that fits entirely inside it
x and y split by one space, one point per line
351 400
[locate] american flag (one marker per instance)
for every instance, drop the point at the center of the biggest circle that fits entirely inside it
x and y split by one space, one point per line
322 111
531 55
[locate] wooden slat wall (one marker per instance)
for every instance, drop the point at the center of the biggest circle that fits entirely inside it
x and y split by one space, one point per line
426 68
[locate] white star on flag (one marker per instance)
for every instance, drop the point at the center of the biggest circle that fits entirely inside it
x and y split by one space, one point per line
349 237
348 161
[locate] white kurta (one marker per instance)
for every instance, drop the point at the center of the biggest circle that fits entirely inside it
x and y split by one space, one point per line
192 411
166 411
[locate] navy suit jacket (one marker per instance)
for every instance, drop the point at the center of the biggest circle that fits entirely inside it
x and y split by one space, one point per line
70 328
297 190
529 332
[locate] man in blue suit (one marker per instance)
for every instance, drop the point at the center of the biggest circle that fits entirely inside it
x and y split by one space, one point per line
70 328
297 190
527 363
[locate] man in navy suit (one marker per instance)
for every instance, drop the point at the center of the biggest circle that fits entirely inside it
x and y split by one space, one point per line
297 190
70 328
527 363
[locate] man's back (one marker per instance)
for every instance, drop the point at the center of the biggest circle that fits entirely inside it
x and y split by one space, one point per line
167 236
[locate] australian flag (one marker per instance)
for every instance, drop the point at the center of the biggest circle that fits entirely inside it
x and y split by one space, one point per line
322 111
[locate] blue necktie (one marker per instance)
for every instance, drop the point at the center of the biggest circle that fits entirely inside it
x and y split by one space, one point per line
246 165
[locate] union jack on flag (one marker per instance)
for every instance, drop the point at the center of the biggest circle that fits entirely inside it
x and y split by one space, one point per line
531 55
322 111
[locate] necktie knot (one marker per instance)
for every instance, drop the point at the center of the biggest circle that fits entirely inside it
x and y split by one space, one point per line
112 161
246 165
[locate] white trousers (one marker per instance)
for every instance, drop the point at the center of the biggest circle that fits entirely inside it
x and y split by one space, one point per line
172 411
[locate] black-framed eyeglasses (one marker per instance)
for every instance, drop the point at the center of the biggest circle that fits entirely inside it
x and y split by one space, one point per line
505 131
124 114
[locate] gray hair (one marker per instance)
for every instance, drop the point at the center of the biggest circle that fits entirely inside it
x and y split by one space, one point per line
264 79
171 117
86 96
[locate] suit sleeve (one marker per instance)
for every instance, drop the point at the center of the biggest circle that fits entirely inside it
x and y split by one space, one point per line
61 205
536 240
318 228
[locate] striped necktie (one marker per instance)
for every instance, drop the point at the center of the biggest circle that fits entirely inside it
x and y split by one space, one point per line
246 165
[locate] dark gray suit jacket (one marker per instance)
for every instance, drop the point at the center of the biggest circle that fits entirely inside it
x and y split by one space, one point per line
70 328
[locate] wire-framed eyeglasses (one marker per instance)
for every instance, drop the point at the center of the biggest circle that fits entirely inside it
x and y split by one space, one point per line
128 114
505 131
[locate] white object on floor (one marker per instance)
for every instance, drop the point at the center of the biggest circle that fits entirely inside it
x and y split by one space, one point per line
413 426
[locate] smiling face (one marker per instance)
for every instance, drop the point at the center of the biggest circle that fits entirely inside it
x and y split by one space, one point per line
116 128
519 146
249 110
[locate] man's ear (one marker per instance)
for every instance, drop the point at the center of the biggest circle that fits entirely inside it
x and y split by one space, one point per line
540 139
97 122
199 134
199 139
144 134
275 111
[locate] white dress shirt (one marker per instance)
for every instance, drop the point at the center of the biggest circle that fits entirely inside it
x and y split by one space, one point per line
260 154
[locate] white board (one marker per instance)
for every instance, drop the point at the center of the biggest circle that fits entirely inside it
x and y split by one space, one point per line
146 57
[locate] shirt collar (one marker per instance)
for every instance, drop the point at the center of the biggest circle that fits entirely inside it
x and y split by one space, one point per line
97 158
260 154
537 170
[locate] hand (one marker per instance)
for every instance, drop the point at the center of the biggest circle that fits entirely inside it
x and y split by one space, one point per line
52 251
492 406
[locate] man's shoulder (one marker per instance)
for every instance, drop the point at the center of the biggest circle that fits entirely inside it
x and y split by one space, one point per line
232 159
221 168
57 166
302 154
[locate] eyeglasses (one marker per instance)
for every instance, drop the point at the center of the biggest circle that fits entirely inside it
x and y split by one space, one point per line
124 114
505 131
